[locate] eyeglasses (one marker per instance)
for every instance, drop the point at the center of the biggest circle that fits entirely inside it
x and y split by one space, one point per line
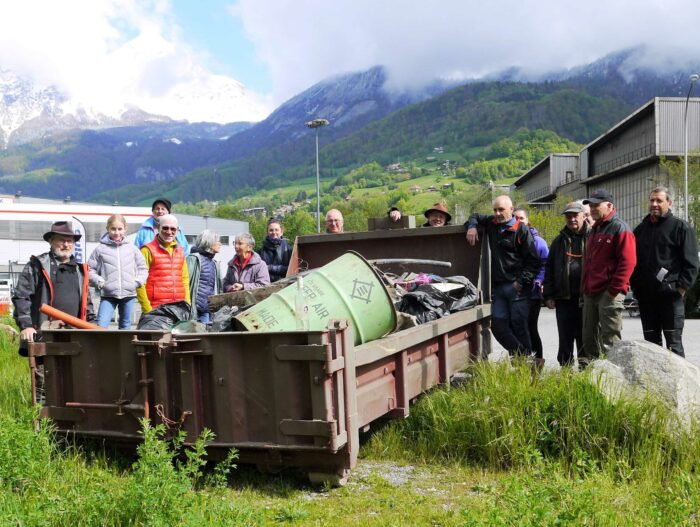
333 221
169 229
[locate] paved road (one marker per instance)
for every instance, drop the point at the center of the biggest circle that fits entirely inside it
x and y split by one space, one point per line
631 330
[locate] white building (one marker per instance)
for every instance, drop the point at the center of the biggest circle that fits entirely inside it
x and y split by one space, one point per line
24 220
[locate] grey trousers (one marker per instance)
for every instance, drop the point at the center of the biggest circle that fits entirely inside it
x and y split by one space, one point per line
602 324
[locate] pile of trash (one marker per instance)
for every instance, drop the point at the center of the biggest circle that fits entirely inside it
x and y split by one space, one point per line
416 297
426 297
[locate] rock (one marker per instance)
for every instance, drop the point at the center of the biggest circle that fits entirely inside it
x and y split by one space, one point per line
636 368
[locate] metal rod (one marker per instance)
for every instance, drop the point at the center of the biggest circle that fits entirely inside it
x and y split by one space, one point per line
417 261
693 80
105 406
318 190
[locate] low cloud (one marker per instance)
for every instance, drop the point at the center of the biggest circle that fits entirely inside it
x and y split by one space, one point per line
418 41
112 54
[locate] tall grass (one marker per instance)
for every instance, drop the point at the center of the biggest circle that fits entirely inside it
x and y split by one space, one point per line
46 481
15 389
506 417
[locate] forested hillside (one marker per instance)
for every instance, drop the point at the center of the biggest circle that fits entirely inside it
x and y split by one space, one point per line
463 121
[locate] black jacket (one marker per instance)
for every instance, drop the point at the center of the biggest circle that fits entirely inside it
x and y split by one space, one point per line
557 282
276 254
669 243
513 253
33 290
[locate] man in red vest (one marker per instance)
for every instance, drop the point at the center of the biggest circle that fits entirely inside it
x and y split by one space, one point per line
168 279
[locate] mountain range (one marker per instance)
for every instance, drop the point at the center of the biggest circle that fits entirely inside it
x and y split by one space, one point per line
142 155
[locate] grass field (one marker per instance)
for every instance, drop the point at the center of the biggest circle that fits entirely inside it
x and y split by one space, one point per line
504 448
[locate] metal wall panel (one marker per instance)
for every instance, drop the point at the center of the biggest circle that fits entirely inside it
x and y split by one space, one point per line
626 147
539 184
560 165
631 189
670 114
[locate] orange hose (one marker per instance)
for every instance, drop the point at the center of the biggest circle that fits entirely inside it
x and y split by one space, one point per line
68 319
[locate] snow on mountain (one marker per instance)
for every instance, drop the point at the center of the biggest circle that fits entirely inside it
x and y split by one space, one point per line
29 111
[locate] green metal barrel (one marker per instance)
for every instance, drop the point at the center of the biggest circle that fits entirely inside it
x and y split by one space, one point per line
346 288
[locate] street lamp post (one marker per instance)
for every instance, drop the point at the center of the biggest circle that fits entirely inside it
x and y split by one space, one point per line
316 124
693 79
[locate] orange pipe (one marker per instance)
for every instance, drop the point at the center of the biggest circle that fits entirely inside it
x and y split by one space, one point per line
68 319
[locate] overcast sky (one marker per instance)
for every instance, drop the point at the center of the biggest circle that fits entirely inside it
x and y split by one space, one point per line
155 53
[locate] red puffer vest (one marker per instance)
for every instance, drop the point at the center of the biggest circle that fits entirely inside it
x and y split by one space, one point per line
164 284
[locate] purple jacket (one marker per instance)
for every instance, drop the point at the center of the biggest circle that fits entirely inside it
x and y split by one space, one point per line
542 253
254 274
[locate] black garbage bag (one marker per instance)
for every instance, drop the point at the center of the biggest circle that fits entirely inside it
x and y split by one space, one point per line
165 316
427 303
221 321
463 298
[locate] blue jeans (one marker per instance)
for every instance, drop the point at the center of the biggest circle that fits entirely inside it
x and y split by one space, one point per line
107 307
509 313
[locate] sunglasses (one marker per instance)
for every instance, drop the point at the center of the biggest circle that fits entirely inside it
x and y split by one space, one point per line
333 221
169 229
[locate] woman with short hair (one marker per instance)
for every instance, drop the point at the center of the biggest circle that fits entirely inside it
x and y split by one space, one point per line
204 274
246 270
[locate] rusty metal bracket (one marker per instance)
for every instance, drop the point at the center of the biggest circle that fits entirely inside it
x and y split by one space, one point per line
55 349
311 352
313 427
59 413
304 352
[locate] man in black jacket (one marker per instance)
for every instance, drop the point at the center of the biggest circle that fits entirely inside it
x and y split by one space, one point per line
514 265
667 265
56 279
562 281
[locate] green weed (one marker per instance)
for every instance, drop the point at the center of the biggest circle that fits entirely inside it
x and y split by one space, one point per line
507 418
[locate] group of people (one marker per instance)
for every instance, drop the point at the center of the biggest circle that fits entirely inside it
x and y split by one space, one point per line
157 268
586 274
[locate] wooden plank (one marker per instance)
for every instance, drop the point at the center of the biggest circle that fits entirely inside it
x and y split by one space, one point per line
245 297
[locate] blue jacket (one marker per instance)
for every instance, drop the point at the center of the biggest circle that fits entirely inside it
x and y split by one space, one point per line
148 231
542 253
204 280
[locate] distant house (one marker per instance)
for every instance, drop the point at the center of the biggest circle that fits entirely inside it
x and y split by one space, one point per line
394 167
415 189
255 211
432 189
438 150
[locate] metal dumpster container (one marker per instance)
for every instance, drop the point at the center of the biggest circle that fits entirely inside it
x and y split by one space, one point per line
291 398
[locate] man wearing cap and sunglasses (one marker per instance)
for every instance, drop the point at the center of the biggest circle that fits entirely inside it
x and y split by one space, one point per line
53 278
149 228
608 265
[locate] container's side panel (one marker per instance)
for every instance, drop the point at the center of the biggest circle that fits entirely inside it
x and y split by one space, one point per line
95 382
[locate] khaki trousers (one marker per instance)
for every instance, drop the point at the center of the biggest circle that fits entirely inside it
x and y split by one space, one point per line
602 324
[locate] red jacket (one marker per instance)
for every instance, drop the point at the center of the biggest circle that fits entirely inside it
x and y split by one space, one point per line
164 284
611 255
